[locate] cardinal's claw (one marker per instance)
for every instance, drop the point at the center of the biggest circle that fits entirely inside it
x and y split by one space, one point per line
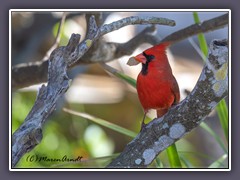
143 126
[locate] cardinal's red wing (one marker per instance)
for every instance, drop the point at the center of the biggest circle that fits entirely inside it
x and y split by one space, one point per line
175 91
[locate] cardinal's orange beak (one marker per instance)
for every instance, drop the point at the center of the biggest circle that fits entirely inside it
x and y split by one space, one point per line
136 60
141 58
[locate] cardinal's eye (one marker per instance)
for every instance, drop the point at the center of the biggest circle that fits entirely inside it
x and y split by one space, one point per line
148 57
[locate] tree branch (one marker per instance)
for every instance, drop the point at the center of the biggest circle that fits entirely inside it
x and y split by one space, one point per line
106 28
205 26
32 73
160 133
29 134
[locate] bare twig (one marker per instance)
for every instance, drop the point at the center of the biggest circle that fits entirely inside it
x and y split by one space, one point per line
160 133
98 18
58 37
29 134
205 26
109 68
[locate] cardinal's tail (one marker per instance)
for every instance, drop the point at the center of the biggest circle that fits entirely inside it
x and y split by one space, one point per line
161 112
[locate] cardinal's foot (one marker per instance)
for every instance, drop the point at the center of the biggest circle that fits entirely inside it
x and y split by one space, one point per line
143 126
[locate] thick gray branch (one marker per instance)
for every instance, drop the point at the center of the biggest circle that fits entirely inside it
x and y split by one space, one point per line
159 134
29 134
32 73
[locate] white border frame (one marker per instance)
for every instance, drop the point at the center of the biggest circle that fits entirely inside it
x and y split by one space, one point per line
113 10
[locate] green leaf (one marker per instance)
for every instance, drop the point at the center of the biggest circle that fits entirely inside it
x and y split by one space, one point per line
159 164
210 131
201 38
202 155
186 162
173 157
126 78
103 123
223 116
219 163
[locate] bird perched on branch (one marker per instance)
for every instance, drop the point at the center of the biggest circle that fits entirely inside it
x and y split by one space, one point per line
156 86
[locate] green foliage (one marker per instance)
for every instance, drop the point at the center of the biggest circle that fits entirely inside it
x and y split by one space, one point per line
212 133
62 136
219 163
126 78
20 108
105 123
223 116
173 157
159 164
201 39
66 30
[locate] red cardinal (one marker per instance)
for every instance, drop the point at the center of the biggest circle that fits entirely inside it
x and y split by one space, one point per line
156 86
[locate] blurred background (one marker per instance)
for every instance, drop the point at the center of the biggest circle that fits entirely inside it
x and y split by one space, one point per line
102 95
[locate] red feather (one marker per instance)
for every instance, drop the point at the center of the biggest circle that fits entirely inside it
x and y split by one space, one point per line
156 86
